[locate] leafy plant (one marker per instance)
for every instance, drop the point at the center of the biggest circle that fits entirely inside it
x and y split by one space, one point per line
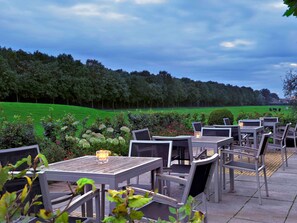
216 116
185 212
126 204
15 204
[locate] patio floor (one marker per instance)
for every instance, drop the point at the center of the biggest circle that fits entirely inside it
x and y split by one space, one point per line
241 206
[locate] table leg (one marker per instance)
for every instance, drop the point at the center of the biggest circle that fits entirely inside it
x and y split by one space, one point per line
102 205
88 187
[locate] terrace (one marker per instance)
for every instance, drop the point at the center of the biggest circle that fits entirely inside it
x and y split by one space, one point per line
241 206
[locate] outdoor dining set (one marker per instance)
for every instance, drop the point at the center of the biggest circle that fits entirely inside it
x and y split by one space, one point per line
191 161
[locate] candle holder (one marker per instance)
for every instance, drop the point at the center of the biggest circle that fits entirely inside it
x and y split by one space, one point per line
197 134
102 156
241 124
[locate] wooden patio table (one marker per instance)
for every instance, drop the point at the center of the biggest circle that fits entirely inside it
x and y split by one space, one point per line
115 171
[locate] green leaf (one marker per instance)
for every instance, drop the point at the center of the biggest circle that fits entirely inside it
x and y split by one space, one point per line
171 219
26 207
108 219
20 162
136 215
24 193
172 210
63 218
45 214
82 182
43 159
140 202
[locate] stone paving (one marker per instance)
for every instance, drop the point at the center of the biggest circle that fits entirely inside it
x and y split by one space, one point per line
241 206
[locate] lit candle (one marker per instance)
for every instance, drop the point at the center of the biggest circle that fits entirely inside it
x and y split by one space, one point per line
102 156
198 134
240 124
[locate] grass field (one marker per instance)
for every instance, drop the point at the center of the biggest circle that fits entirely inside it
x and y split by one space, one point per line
38 111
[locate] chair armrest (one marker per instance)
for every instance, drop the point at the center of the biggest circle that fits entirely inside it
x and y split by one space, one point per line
83 199
237 153
244 148
171 178
157 197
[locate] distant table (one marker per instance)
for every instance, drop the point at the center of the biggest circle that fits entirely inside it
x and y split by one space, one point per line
213 142
273 125
115 171
255 130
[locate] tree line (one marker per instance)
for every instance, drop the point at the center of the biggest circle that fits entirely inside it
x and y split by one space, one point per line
38 77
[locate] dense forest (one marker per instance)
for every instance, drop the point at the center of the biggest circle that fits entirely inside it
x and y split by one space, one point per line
38 77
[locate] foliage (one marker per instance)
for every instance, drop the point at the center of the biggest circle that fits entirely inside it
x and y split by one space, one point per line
16 133
216 116
159 122
15 204
52 150
185 212
292 8
104 138
126 205
38 77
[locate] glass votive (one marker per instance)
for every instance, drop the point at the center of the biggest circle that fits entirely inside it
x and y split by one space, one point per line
240 124
102 156
197 134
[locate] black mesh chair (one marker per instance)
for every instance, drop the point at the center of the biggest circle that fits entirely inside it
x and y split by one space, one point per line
197 126
196 183
250 122
150 148
182 153
11 156
238 138
141 134
220 132
226 121
258 155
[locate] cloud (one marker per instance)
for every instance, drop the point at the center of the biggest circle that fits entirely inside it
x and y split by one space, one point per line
145 2
91 10
286 65
236 43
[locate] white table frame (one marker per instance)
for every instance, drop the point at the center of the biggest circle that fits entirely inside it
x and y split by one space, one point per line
255 130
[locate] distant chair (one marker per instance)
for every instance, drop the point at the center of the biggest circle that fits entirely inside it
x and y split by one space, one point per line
197 126
235 133
227 121
221 132
250 122
141 134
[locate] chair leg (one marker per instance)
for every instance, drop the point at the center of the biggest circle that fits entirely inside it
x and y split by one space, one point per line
283 160
205 206
265 181
286 156
259 188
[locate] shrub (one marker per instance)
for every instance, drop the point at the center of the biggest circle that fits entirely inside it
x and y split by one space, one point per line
216 116
52 150
17 133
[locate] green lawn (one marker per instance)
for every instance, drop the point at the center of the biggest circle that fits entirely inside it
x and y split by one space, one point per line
38 111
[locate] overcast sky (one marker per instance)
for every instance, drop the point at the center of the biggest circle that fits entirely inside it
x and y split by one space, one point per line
238 42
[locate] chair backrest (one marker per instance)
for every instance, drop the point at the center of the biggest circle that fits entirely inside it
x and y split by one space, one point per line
223 132
149 148
270 119
235 131
200 176
13 155
141 134
226 121
263 144
197 126
250 122
181 146
285 133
